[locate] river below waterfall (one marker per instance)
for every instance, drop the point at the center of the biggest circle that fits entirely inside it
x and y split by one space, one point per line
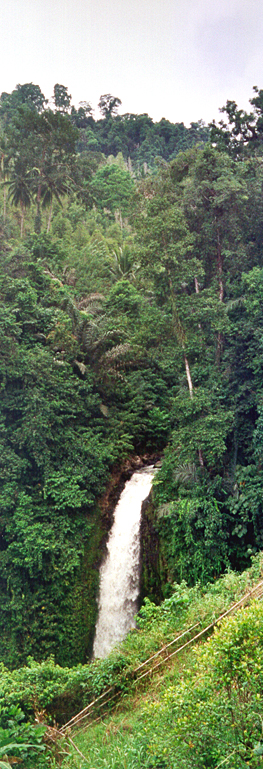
119 573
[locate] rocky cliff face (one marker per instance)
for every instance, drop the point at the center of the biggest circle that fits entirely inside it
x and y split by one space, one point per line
151 560
151 566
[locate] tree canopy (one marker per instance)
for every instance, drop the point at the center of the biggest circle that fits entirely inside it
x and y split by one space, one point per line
131 314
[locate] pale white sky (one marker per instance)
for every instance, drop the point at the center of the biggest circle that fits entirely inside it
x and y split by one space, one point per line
179 59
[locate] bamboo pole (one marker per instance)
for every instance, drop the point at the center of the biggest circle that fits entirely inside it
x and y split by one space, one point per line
166 646
86 709
205 630
75 746
83 713
81 718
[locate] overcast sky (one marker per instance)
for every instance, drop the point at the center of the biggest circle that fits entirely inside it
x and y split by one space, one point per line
179 59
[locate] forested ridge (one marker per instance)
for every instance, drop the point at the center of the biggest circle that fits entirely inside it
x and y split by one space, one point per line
131 326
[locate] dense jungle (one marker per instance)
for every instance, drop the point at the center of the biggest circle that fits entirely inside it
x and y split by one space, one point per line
131 315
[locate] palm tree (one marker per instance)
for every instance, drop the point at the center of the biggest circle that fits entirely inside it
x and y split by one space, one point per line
52 183
4 168
19 189
124 265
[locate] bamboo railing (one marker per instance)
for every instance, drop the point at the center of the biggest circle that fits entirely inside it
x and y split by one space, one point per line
104 698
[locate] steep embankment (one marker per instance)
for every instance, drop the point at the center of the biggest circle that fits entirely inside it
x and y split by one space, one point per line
139 709
202 709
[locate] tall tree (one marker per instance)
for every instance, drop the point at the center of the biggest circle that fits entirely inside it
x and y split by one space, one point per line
83 116
213 196
242 135
20 189
166 255
24 97
42 142
54 184
61 98
109 105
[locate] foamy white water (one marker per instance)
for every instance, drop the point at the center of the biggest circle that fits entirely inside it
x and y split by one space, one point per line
119 574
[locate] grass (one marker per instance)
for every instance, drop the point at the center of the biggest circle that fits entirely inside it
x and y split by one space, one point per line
140 731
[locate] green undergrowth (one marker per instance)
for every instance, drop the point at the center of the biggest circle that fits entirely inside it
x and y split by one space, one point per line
206 714
50 693
202 710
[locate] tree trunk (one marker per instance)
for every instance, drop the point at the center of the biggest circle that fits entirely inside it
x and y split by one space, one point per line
220 340
181 339
37 227
22 220
4 178
197 291
50 216
188 375
180 335
196 286
4 208
220 267
39 190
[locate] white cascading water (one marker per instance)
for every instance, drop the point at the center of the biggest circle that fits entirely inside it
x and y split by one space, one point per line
119 574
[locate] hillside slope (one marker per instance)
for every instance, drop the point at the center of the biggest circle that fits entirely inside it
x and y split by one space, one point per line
202 709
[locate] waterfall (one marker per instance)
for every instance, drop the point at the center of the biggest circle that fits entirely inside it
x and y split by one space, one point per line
119 574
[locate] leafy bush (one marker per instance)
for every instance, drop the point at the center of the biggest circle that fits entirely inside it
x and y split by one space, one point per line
214 715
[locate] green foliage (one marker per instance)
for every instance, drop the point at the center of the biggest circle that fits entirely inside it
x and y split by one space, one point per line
242 136
124 298
109 105
57 446
133 324
112 188
49 456
62 691
21 740
205 706
216 710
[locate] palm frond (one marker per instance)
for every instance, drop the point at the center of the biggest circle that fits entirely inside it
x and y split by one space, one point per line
186 474
234 304
92 303
118 352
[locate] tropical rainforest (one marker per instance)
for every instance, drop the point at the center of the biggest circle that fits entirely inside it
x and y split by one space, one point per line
131 315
